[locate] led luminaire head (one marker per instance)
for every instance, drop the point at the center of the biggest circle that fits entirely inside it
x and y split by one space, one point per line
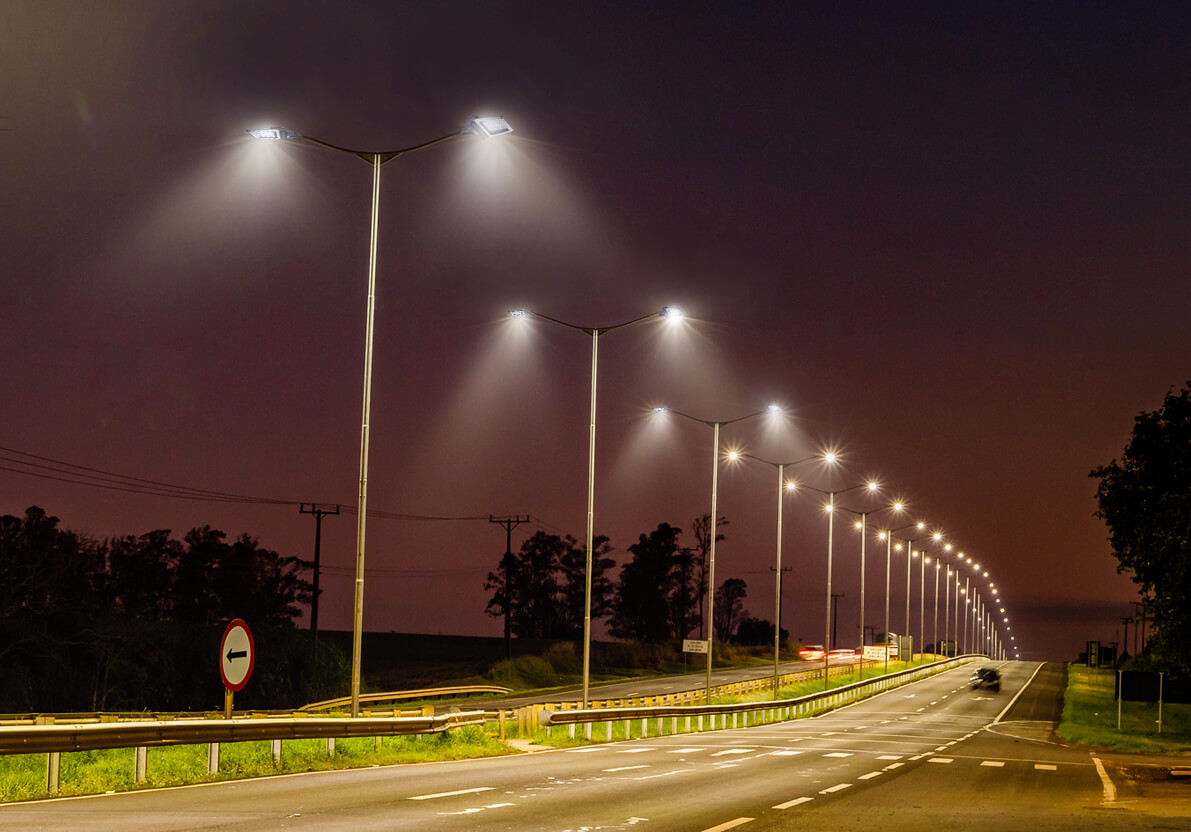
519 313
661 410
672 313
274 133
486 127
773 408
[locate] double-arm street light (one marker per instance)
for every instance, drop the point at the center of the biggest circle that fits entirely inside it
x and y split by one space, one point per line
887 536
482 127
784 486
715 474
872 488
862 527
672 313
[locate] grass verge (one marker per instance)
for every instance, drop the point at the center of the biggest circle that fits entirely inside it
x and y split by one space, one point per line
1090 718
23 776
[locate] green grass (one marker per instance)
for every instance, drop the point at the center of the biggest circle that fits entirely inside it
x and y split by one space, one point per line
23 776
1090 718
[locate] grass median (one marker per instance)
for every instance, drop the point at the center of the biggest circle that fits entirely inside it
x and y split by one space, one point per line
1090 717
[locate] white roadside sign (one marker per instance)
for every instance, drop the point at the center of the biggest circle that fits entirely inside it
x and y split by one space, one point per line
694 645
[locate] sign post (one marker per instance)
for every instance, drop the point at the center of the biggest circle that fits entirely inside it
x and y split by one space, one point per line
237 655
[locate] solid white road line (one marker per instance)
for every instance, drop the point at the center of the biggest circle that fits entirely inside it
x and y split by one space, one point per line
1110 789
623 768
452 794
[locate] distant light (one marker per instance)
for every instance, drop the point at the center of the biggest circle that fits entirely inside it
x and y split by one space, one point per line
673 313
519 313
880 535
927 560
897 507
937 536
858 525
661 410
976 566
872 486
273 133
773 408
486 127
830 457
946 547
733 455
921 526
791 486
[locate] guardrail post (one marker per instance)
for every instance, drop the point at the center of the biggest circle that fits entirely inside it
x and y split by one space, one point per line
500 721
277 752
53 771
628 729
140 764
212 758
330 746
587 730
571 730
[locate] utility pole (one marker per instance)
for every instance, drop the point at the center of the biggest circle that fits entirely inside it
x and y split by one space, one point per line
834 617
509 523
319 511
1126 620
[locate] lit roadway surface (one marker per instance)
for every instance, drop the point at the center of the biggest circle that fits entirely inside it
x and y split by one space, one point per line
931 755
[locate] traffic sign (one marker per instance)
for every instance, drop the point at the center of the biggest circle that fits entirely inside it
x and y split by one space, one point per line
237 654
692 645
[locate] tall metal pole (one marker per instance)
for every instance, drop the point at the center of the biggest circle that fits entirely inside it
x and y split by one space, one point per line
827 635
362 505
909 557
967 602
595 343
863 541
947 613
888 574
777 587
715 477
922 606
935 637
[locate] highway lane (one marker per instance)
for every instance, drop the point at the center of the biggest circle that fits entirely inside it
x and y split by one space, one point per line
915 757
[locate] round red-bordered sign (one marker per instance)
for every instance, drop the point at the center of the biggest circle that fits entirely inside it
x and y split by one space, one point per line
237 654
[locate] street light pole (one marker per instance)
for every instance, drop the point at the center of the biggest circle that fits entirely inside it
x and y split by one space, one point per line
782 487
715 476
483 127
669 312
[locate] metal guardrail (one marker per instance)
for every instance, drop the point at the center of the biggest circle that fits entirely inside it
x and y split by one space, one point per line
393 696
775 710
57 738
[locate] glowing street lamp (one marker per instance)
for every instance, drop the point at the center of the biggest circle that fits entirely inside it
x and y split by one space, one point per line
483 127
671 313
783 486
715 475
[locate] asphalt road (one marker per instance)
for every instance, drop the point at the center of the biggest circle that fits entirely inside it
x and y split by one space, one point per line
931 755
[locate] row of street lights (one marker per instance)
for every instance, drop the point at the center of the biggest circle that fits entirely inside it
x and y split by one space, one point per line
493 126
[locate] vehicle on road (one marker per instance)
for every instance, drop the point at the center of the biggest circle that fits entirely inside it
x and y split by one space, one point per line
841 654
987 678
812 652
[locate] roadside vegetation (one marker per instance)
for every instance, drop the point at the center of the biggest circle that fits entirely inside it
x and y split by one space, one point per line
23 776
1090 718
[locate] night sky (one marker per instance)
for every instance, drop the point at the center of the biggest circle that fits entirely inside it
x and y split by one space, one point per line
949 239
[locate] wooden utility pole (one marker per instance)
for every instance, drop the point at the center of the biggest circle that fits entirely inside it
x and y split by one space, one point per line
509 523
319 512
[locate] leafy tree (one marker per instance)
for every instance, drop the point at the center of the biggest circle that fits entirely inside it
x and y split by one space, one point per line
756 631
729 608
140 571
573 567
641 611
1145 500
702 531
685 592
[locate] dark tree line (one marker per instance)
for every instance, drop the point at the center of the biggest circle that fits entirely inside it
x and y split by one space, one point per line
134 622
659 596
1145 500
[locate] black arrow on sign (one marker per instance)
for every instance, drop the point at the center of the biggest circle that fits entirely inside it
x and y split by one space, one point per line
236 654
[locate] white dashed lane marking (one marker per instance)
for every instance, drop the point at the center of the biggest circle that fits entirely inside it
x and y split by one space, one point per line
732 824
798 801
993 763
837 788
452 794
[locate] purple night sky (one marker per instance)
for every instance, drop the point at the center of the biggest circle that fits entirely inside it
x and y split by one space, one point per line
949 239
